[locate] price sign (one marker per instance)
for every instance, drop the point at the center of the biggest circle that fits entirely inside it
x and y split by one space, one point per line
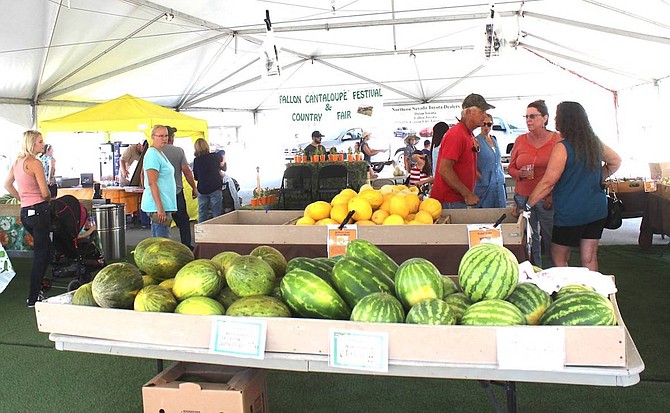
238 338
338 239
531 348
359 350
484 233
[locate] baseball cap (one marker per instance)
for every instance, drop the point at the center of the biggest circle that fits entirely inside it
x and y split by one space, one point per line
317 134
476 100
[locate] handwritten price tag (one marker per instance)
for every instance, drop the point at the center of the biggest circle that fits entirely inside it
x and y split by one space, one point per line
359 351
238 338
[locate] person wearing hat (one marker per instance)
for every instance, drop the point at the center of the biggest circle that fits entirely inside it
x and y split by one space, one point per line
368 152
315 145
410 142
457 159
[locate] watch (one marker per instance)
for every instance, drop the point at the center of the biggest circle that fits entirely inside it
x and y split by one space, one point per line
527 207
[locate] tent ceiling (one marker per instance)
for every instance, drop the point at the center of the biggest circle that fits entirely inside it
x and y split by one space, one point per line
209 55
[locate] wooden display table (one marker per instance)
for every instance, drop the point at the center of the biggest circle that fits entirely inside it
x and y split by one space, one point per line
656 219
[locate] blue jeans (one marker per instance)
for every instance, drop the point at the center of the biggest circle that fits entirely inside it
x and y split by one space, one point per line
209 205
161 230
542 223
454 205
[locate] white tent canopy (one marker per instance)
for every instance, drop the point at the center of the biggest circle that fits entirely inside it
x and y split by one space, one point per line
210 54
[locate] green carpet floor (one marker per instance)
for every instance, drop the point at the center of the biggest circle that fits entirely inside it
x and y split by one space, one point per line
34 377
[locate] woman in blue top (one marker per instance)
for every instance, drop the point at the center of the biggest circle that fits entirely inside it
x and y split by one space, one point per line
159 199
575 174
207 171
490 184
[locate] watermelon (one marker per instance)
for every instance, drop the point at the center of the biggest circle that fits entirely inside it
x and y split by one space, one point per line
167 284
227 297
354 278
198 278
488 271
317 267
250 275
273 257
328 261
587 308
258 306
431 311
458 303
309 296
155 298
378 308
116 285
224 260
417 279
571 288
200 306
84 296
493 312
162 259
531 300
449 285
369 252
141 247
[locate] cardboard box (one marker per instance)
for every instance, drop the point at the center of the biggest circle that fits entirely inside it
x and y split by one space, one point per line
635 185
206 388
274 227
584 345
663 190
659 170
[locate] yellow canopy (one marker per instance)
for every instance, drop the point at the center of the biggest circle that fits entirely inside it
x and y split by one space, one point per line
130 114
126 114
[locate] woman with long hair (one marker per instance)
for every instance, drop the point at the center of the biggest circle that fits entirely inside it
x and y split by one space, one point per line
422 172
490 184
439 129
206 170
527 166
49 164
33 193
577 167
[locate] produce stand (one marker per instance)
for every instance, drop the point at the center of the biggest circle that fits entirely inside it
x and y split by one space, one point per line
599 356
656 218
442 244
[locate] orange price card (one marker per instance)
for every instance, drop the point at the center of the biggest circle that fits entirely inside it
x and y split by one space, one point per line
338 239
480 234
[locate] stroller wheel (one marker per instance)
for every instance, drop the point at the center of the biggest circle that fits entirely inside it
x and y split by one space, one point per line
46 284
73 285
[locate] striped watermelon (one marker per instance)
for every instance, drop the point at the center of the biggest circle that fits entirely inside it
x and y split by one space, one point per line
200 306
378 308
587 308
488 271
250 275
369 252
317 267
449 285
493 312
458 303
431 311
531 300
258 306
309 296
354 278
417 279
200 277
571 288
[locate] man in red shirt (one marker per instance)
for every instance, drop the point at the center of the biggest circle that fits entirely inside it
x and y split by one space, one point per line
457 159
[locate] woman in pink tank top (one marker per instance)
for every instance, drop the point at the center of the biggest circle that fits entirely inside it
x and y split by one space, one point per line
33 192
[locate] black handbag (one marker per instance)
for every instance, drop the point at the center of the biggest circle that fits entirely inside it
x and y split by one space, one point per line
614 211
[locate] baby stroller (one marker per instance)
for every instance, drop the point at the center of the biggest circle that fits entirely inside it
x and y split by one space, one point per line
72 257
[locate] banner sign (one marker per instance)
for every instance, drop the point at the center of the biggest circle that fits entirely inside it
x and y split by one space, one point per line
331 107
421 116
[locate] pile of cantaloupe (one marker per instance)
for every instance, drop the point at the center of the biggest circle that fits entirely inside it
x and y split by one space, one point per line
389 205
